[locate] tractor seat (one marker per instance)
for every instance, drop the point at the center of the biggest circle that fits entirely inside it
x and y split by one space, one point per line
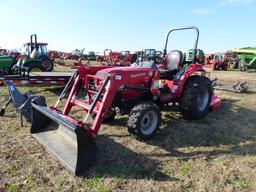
33 54
173 62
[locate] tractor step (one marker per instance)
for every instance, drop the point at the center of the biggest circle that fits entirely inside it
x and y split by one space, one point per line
72 145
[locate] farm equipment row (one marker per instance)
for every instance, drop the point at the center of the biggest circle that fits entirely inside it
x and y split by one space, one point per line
75 55
123 58
140 92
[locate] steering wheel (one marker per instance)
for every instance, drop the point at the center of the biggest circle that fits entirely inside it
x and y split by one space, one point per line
162 60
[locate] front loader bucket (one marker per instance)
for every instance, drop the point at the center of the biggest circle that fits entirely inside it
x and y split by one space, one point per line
70 144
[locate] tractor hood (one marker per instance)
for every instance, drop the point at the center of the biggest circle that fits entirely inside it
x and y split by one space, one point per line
4 57
145 66
133 72
129 73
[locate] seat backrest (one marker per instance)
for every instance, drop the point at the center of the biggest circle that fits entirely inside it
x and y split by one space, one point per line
33 54
174 60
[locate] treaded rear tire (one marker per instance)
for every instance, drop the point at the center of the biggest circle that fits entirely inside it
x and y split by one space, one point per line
47 64
140 113
195 88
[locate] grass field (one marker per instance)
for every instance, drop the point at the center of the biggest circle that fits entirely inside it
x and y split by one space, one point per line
217 153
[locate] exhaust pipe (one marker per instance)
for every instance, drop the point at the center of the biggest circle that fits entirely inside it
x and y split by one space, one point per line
72 145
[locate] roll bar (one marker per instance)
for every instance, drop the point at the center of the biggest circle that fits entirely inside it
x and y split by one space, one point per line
178 29
33 42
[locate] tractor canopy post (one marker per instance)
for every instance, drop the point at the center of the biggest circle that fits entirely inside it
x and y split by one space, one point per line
178 29
33 42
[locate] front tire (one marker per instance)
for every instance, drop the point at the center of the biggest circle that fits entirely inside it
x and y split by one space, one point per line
144 120
34 67
196 97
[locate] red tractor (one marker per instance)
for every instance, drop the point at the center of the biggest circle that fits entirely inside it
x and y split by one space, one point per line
127 58
54 54
217 61
139 92
111 58
222 61
99 58
123 58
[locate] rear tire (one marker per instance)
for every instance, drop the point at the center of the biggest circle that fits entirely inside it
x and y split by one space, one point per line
144 120
196 97
47 64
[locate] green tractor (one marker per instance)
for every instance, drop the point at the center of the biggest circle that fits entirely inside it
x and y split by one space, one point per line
41 52
199 55
9 65
247 58
34 61
6 64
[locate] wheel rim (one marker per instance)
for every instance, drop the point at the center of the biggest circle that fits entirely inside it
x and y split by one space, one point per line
36 70
46 64
148 122
203 99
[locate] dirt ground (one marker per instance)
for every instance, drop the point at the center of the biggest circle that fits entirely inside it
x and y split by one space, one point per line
217 153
